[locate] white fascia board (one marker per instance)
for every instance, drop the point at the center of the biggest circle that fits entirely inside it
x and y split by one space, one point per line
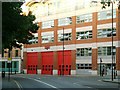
5 59
72 46
47 33
65 31
108 25
84 28
86 45
84 61
36 49
102 44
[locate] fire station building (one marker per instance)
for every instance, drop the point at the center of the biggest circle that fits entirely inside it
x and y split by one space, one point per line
73 40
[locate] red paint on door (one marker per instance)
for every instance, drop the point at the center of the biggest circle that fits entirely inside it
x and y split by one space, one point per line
47 63
64 64
32 62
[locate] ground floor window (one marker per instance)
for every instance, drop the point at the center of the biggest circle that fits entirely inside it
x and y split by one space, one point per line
5 66
106 51
84 66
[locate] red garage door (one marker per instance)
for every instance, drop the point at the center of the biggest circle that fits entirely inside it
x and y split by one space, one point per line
64 64
47 63
32 62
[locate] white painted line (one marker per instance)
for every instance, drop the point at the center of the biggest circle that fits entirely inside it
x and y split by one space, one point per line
45 83
41 82
18 84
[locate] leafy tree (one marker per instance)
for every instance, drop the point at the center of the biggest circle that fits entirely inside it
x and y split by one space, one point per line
15 27
108 3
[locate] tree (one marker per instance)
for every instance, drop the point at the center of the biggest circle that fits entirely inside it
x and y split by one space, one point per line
15 27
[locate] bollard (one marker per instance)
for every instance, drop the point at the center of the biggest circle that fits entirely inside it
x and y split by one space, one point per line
3 74
15 71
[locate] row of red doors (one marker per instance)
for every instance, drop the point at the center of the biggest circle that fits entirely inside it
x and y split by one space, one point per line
64 63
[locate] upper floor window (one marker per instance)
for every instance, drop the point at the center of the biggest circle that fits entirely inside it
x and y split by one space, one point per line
106 14
47 24
34 40
84 18
16 53
83 52
67 36
64 21
102 33
84 35
47 37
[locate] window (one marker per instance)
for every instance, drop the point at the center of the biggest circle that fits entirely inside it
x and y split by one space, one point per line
84 66
93 3
3 64
16 53
102 33
67 36
84 35
84 18
48 37
8 65
47 24
64 21
106 51
106 14
83 52
15 64
34 40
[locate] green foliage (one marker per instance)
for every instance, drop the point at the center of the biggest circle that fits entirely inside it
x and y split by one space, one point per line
119 5
16 28
104 3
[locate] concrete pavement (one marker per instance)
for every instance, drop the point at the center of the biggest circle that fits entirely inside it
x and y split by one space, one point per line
108 78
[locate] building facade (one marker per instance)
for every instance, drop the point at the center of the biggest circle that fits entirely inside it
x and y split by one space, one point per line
74 40
15 62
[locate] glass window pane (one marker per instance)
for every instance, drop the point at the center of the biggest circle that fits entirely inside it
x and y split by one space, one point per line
102 15
83 18
47 24
108 50
65 21
48 37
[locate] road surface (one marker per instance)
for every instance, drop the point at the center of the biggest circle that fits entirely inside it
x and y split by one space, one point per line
23 82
